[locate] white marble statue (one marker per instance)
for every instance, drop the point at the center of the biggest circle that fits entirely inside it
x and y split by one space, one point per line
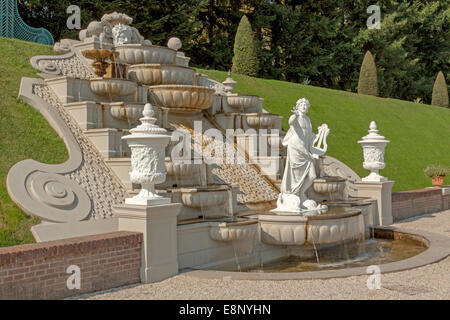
303 148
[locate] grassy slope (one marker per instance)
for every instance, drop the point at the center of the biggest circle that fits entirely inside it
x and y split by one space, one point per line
24 134
419 134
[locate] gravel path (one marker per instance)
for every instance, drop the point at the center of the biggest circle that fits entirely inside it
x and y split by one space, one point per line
429 282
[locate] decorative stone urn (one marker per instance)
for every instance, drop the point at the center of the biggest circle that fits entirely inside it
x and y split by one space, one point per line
147 143
374 145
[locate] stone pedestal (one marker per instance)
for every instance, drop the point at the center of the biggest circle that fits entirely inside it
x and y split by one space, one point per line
382 193
158 224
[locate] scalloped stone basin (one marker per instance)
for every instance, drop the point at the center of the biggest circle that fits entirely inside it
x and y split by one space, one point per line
242 101
337 225
157 74
126 111
108 87
182 98
260 120
233 231
210 200
145 53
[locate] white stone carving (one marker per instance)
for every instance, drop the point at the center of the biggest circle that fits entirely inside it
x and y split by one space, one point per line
147 143
174 43
374 145
303 148
229 83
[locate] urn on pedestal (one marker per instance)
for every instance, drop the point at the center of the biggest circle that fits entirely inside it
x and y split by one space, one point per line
147 143
373 146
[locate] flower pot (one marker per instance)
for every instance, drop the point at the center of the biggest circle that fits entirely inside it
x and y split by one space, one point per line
437 181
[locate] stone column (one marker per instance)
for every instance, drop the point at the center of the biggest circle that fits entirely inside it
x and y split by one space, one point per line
149 213
158 224
382 193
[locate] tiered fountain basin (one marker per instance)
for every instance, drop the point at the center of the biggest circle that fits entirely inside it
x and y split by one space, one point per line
330 186
242 102
335 226
185 174
182 98
157 74
122 111
211 201
234 231
112 88
145 53
262 120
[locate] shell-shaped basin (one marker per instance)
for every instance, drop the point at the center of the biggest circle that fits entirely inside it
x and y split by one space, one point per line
241 101
145 53
156 74
260 120
109 87
234 231
182 98
126 111
329 185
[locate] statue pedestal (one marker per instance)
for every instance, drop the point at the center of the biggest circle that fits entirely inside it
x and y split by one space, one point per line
158 224
382 192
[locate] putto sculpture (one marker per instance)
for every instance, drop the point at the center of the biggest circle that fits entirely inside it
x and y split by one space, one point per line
303 148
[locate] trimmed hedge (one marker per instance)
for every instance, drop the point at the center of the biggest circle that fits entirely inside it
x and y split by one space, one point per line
440 91
245 60
368 80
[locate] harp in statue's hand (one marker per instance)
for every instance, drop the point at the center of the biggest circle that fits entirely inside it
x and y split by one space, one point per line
320 145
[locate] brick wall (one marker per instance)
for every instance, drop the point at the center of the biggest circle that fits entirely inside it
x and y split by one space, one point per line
407 204
39 271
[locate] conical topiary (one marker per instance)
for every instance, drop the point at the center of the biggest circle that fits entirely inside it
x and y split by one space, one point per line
245 60
440 91
368 80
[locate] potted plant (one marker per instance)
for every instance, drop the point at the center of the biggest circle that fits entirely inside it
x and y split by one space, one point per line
437 174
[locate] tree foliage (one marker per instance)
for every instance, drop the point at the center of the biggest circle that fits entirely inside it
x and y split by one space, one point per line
245 60
307 41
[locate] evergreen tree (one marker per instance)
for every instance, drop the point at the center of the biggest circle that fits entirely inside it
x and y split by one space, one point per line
245 60
440 91
368 80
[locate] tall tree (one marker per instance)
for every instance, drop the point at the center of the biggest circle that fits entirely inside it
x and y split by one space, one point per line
245 60
440 91
368 80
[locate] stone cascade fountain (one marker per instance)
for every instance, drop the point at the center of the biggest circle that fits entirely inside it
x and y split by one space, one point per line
101 85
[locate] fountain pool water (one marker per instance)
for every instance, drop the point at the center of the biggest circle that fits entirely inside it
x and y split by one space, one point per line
377 252
311 246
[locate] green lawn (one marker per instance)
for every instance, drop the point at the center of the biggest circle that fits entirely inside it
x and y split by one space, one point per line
419 134
24 134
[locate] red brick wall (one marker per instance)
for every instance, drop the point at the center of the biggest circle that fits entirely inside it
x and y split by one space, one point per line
446 202
38 271
407 204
